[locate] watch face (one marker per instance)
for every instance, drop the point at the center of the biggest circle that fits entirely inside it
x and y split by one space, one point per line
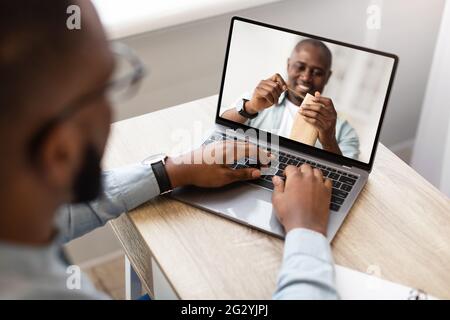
154 158
240 105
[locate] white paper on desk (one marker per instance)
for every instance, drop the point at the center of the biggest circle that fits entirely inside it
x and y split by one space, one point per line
355 285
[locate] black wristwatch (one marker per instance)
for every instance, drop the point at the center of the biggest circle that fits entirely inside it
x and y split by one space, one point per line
240 107
158 164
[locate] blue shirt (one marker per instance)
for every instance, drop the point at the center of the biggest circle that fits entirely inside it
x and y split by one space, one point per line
28 272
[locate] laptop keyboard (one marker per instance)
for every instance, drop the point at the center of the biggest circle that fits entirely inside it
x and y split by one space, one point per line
343 182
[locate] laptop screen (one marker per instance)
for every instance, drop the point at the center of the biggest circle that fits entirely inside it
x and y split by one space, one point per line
318 92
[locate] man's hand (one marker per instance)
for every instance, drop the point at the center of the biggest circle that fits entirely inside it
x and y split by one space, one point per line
303 200
322 115
208 165
266 94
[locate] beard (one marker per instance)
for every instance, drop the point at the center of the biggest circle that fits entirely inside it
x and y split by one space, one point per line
87 184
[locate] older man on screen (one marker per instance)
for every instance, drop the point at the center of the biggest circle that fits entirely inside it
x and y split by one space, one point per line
275 103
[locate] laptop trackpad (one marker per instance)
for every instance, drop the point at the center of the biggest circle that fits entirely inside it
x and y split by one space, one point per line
241 202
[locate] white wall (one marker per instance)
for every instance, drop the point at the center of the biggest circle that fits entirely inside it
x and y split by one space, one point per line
256 53
186 61
431 156
445 181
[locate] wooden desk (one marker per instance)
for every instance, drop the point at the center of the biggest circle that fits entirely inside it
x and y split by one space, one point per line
400 224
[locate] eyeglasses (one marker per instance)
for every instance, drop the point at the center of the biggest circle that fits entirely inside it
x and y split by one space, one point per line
124 84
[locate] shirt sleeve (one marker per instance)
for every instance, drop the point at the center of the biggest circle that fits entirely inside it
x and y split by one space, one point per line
307 270
348 141
124 189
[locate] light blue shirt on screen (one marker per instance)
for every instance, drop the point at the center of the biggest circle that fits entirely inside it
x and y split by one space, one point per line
270 120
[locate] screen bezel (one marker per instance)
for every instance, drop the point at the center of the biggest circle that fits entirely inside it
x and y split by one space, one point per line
285 142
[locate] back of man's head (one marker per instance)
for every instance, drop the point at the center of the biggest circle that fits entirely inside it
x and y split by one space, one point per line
32 36
34 41
44 68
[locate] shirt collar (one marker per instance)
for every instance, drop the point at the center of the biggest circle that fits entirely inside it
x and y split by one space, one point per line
281 99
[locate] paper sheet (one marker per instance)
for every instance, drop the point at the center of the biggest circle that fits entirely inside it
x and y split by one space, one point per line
355 285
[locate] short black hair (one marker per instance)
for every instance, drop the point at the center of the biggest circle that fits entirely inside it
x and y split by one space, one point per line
33 33
318 44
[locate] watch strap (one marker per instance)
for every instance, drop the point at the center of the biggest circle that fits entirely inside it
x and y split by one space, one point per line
162 177
244 113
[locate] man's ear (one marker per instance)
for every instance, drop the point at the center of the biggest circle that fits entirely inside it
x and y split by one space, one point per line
60 157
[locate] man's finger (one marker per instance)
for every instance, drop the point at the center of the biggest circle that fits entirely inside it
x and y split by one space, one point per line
318 173
278 185
279 79
273 91
328 184
315 107
265 94
274 85
310 113
290 170
244 174
314 121
305 168
322 100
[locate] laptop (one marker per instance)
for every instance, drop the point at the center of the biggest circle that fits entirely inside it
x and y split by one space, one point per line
353 81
